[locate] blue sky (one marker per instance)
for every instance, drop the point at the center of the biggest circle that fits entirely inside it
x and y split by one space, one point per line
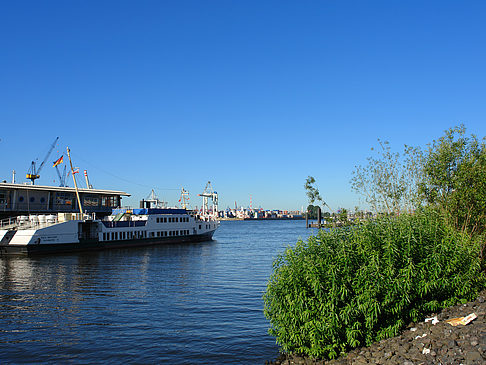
251 95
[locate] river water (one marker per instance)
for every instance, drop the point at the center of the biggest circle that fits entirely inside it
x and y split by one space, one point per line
177 304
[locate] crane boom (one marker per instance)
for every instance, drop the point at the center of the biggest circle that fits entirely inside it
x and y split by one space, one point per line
33 172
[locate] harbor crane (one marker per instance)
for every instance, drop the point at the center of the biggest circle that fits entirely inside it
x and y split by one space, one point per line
34 172
62 178
206 194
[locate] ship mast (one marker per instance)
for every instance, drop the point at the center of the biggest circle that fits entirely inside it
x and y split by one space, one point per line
75 184
184 198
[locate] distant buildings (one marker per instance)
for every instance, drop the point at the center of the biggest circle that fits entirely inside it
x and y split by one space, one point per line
247 214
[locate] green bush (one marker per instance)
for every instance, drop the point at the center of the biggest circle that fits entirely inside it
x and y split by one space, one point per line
350 287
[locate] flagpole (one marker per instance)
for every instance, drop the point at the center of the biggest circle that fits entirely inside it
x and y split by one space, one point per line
75 184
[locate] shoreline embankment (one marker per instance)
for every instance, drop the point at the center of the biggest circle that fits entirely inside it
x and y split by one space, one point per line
431 342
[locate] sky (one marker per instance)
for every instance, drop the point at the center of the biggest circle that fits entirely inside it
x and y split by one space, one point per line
253 96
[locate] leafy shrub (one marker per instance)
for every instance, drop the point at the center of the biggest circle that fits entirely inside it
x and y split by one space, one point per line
350 287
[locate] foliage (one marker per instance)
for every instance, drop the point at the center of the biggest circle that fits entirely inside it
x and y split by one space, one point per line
389 181
313 193
350 287
312 211
454 179
342 216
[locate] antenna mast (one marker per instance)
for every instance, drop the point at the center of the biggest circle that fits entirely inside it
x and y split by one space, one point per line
88 185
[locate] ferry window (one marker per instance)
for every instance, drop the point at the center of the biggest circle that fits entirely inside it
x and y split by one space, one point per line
177 220
32 199
21 199
91 201
109 201
42 200
64 199
165 220
104 236
199 226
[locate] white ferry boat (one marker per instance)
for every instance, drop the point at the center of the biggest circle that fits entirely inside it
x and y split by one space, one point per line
149 225
66 232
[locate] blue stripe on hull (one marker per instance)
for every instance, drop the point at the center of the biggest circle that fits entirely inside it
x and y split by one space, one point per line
97 245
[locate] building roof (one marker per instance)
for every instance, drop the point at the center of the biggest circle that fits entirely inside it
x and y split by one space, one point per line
27 186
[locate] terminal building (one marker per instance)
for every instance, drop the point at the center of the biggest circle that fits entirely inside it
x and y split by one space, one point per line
26 199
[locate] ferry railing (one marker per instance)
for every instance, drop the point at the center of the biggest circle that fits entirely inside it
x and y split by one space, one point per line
8 223
22 224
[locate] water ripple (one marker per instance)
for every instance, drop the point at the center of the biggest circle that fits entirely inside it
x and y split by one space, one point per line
183 304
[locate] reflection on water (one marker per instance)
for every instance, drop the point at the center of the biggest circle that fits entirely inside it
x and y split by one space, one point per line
192 303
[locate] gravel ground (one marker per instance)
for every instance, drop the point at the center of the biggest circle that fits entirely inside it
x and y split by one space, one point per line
421 343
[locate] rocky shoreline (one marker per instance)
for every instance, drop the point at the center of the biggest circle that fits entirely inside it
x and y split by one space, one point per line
421 343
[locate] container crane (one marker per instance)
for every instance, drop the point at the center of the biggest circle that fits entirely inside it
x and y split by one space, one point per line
206 194
34 172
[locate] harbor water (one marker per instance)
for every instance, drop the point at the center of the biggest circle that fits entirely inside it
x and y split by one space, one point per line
177 304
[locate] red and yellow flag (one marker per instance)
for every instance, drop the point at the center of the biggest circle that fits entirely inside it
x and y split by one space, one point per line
58 161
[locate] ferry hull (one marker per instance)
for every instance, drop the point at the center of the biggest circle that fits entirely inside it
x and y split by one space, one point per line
92 245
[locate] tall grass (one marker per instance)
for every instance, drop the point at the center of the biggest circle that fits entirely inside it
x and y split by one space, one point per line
350 287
